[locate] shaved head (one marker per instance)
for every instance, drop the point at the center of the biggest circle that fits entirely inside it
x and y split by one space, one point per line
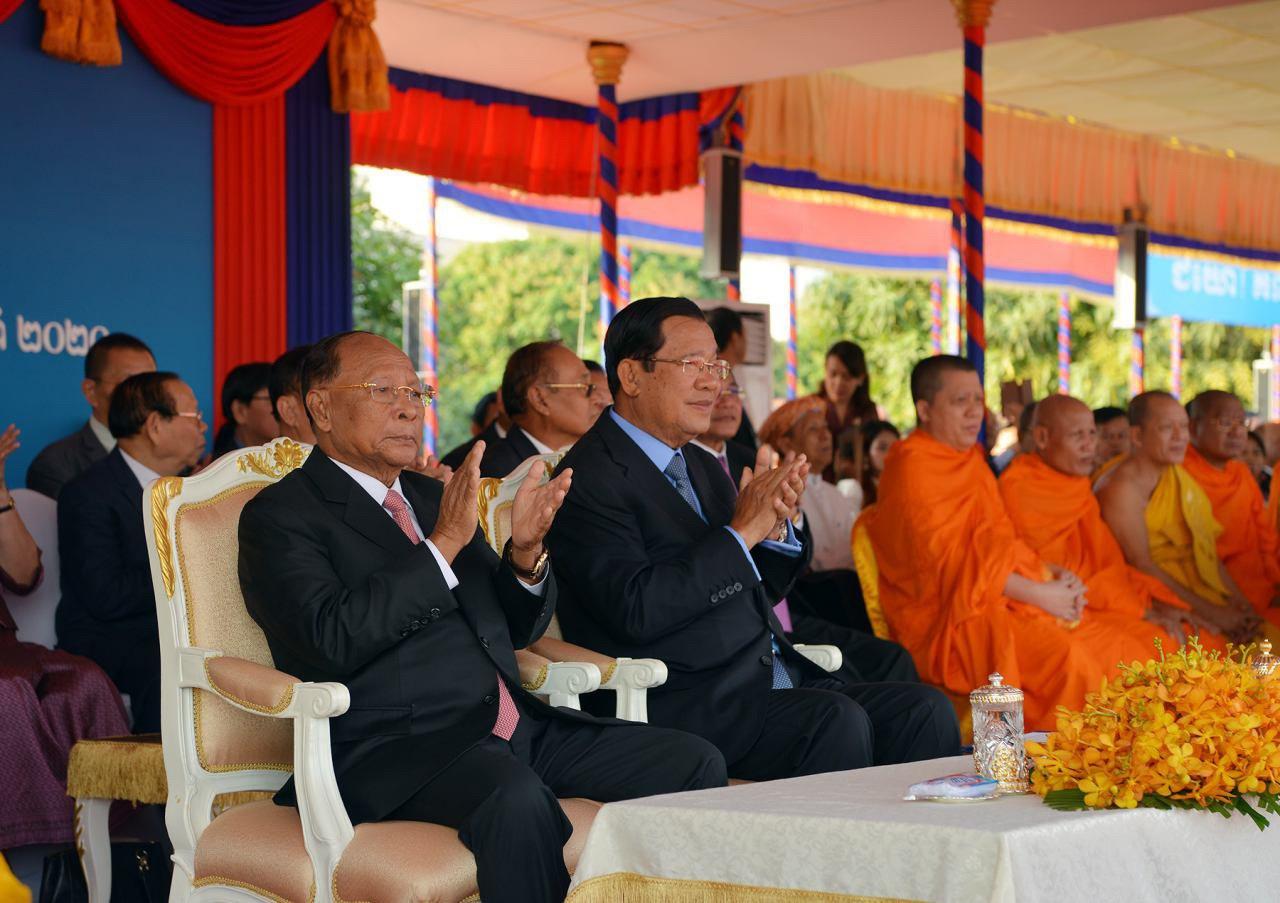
1142 405
1159 427
1066 436
949 401
927 376
1218 429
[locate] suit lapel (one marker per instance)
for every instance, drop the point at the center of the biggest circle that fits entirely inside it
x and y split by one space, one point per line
710 483
359 511
520 443
126 480
651 483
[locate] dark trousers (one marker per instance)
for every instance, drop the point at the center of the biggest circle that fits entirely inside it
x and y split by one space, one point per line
502 797
825 725
867 658
134 667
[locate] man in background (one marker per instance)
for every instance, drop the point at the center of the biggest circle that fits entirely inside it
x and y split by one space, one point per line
110 361
285 386
489 424
1113 435
246 408
731 345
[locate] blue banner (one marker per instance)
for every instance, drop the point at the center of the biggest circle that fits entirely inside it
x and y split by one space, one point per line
1217 291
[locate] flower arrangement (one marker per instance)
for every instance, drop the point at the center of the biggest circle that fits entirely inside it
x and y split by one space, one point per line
1195 729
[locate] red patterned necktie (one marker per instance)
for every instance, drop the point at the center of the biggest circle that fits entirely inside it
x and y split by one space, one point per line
508 714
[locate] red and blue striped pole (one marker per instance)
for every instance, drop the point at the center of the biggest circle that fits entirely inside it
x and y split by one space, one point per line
1137 361
1064 344
793 357
606 65
973 16
737 139
624 276
1175 356
955 277
429 324
935 317
1275 374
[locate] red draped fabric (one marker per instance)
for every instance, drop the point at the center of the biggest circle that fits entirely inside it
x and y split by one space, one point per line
249 234
7 8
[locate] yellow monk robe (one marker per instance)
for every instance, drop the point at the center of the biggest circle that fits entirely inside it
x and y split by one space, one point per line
944 547
1058 516
1248 545
1183 534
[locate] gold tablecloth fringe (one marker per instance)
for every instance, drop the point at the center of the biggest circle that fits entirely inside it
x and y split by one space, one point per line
629 887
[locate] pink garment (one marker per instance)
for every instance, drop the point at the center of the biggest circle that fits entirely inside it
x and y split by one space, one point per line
508 714
782 610
49 699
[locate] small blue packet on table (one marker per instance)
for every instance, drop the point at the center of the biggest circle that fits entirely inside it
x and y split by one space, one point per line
954 787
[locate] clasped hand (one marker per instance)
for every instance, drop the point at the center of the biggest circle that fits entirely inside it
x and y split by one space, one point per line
768 495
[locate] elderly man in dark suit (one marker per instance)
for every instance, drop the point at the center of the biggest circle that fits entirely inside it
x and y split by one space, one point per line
110 361
548 394
363 572
662 559
108 612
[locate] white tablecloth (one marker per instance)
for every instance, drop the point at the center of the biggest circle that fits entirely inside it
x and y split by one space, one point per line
851 833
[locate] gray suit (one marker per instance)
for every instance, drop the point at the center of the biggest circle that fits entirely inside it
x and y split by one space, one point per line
62 461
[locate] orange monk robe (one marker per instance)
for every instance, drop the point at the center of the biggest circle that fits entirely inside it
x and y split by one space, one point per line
944 547
1248 545
1057 515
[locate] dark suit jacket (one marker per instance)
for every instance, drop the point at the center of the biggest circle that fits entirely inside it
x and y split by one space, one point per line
490 436
107 600
746 436
62 461
505 455
739 456
342 595
643 576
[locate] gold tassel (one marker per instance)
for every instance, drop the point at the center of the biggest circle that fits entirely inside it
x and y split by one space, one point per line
81 31
628 886
357 68
117 769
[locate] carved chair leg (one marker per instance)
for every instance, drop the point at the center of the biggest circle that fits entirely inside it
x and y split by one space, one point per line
93 844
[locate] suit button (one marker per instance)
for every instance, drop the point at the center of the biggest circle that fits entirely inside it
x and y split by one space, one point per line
766 660
434 614
490 699
405 632
737 587
484 642
714 598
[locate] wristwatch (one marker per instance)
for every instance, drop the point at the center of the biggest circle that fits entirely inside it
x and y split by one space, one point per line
535 573
8 506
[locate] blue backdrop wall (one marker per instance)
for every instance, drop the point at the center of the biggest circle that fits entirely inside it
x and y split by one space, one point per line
106 226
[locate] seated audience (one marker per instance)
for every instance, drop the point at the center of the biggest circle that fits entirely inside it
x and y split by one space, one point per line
108 611
800 427
1164 521
246 408
731 346
489 424
1052 506
1025 442
110 361
1248 545
50 699
718 441
877 437
661 558
1113 436
284 384
601 382
846 389
548 394
362 572
957 586
1255 456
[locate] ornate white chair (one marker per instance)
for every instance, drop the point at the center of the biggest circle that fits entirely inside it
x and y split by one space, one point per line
233 724
552 667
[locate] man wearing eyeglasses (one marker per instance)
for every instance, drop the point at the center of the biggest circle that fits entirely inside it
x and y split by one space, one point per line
108 612
661 558
361 571
551 400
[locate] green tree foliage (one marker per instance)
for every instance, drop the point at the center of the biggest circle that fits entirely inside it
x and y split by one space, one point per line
383 258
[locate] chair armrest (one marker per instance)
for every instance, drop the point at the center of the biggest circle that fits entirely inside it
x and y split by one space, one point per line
631 679
250 685
564 682
828 658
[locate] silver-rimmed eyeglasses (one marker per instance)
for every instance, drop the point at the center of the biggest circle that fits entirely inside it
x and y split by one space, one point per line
719 369
423 395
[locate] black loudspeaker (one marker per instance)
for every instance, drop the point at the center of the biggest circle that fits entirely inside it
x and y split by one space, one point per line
1131 274
722 213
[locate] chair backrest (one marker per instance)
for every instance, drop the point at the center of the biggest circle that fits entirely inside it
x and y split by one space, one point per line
864 563
34 612
191 527
496 498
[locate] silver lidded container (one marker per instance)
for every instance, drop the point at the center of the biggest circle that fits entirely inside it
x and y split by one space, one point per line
1264 663
998 752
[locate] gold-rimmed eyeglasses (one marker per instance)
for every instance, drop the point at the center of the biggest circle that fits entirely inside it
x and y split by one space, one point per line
195 415
588 388
719 369
424 395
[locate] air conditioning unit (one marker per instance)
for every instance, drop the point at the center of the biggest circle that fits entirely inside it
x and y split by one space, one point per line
1263 372
755 375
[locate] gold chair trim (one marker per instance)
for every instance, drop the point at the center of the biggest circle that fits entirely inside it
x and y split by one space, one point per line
266 710
279 459
219 880
636 888
489 487
162 492
607 674
537 682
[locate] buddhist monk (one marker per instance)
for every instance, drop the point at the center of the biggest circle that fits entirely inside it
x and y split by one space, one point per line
1113 434
1052 506
957 586
1164 521
1248 545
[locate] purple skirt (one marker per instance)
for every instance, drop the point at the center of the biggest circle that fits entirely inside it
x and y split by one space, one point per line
49 699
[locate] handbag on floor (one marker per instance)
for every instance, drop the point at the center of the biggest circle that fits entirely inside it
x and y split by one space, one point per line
140 873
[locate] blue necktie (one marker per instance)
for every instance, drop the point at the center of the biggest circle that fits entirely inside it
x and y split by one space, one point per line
678 472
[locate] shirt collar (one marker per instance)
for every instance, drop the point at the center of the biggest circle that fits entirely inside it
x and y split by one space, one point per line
372 485
723 453
542 447
102 434
654 448
146 476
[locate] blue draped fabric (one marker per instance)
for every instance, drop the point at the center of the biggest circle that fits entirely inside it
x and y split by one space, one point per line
318 214
248 12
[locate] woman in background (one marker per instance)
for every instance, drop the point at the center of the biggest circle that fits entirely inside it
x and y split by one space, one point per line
1255 455
878 437
846 390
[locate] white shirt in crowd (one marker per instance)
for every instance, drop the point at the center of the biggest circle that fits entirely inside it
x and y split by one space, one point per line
542 447
830 514
102 434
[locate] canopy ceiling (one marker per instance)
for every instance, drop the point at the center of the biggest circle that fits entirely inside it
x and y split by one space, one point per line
538 46
1209 77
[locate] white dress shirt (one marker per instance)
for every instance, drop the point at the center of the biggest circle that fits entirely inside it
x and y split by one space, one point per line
831 515
102 434
146 476
542 447
378 492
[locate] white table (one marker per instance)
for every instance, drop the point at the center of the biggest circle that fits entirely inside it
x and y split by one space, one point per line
851 836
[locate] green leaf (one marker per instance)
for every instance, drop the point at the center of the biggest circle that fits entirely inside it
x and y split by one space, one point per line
1243 807
1065 800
